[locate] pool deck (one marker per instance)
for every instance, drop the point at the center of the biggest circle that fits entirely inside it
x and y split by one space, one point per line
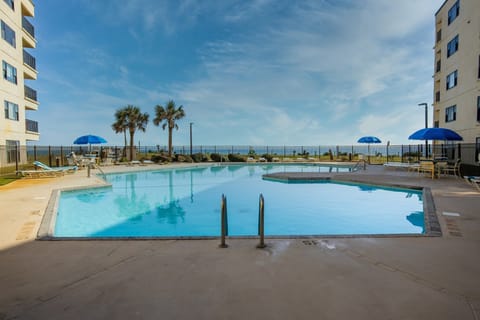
317 278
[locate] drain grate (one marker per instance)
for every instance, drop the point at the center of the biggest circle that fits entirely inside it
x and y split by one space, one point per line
453 228
310 242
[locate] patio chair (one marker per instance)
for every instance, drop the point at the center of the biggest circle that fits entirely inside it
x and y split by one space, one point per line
451 168
79 161
66 169
427 167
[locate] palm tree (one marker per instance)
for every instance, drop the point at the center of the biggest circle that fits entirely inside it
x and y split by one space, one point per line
120 125
170 115
132 119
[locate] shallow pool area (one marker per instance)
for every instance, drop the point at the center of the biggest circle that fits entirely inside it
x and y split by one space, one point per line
185 202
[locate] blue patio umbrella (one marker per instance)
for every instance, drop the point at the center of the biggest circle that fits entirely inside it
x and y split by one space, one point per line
435 134
368 140
89 139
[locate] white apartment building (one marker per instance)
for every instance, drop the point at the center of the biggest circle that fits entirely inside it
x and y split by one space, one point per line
456 93
18 74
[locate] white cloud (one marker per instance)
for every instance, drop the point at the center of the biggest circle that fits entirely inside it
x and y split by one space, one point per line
283 73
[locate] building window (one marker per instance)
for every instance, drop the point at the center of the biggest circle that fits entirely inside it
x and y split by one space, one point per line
439 35
478 108
10 3
8 34
437 96
12 146
454 12
451 114
11 110
439 66
9 72
477 149
452 46
478 67
452 80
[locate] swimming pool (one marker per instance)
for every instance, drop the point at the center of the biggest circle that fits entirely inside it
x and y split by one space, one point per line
186 203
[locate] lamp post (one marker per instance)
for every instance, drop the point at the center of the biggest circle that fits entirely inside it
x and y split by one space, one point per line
426 125
191 149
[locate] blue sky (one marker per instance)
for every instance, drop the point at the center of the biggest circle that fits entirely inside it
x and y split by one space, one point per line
256 72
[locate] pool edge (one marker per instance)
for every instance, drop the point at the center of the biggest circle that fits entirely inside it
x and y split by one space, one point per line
431 222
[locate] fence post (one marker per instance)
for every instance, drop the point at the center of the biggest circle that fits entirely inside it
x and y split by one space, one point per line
35 153
50 156
16 157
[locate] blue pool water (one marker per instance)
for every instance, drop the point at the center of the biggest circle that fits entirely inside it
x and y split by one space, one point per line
186 202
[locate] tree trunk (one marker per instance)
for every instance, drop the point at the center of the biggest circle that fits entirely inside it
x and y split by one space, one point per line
132 133
170 131
124 153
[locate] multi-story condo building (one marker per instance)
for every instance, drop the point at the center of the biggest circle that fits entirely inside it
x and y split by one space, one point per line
18 72
456 93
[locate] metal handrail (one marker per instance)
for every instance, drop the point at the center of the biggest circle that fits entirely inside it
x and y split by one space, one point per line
224 222
261 222
357 165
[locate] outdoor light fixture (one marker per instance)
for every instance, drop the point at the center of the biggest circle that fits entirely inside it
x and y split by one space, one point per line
426 125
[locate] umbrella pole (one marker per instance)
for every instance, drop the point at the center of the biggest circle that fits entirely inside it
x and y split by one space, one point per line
368 153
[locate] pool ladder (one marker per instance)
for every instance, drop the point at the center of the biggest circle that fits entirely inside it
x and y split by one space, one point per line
261 222
360 164
224 218
95 166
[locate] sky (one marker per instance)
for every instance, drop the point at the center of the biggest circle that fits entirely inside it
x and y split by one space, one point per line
260 72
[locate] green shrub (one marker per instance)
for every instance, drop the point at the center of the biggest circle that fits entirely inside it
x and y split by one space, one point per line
236 158
183 158
199 157
218 157
160 158
268 157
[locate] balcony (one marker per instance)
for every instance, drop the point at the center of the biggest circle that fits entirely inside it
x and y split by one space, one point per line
28 27
30 70
31 126
28 34
28 8
31 102
29 60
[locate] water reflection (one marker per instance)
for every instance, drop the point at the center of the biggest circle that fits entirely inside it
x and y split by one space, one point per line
417 219
367 188
129 205
91 196
170 213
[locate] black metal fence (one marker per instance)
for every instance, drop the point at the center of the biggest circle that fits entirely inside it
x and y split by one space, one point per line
14 157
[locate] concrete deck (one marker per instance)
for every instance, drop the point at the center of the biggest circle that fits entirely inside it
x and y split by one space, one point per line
322 278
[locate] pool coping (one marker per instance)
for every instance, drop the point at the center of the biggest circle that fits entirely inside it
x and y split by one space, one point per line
431 222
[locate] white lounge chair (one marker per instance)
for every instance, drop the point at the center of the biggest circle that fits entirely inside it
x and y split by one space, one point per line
44 167
473 180
34 174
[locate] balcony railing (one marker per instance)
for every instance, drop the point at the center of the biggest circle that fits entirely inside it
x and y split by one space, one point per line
28 27
31 126
30 93
29 60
